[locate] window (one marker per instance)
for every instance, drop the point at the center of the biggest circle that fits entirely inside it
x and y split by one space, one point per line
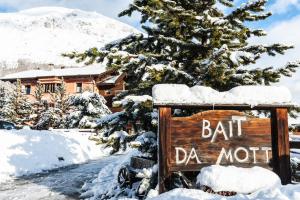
78 87
27 89
108 92
49 87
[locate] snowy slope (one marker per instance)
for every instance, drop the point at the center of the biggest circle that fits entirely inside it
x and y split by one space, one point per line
41 35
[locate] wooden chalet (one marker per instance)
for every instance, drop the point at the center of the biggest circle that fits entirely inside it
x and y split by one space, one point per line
108 83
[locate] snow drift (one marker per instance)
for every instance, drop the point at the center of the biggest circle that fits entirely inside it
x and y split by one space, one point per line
27 151
289 192
240 180
249 183
41 35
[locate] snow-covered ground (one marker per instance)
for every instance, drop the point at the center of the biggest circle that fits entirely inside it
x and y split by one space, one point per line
107 178
28 151
249 183
41 35
59 184
290 192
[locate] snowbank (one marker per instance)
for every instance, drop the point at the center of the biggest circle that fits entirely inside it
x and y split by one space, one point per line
28 151
289 192
106 182
249 183
251 95
231 178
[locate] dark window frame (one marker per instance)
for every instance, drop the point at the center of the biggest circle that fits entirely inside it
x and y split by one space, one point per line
79 87
27 89
49 87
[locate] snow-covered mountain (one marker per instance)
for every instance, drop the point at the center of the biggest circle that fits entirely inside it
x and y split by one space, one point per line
41 35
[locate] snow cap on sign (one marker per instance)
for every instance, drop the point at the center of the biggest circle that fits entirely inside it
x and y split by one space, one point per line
251 95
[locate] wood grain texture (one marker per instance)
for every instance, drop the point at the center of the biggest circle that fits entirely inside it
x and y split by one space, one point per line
280 144
186 133
164 133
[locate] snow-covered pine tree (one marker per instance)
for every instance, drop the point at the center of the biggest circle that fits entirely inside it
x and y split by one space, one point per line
55 116
6 90
50 117
193 42
60 98
3 97
18 108
86 108
39 105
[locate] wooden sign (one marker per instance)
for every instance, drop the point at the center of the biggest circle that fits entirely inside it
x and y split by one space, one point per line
218 137
223 136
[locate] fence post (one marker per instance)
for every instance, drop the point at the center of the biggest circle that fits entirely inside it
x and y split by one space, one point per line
164 130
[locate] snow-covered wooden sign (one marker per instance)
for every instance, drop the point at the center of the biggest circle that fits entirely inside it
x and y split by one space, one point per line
218 137
222 134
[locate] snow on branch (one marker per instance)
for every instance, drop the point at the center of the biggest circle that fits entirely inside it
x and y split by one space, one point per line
246 10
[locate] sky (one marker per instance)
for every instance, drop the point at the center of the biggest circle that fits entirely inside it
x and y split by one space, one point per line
283 26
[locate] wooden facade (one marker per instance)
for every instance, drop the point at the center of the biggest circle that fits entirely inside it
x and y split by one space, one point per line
108 84
110 87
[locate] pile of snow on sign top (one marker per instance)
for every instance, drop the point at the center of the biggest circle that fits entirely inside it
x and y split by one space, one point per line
240 180
41 35
252 95
28 151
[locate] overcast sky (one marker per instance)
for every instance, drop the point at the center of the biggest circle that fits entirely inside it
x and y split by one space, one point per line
283 26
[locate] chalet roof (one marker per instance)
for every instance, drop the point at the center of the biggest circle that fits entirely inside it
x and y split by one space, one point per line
111 80
75 71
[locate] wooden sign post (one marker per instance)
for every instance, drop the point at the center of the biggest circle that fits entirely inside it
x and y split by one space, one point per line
223 135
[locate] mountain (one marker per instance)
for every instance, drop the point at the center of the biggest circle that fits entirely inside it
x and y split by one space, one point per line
40 35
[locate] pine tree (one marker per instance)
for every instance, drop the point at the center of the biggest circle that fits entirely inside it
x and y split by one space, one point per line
85 109
6 90
2 97
192 42
55 116
50 117
18 108
39 105
60 98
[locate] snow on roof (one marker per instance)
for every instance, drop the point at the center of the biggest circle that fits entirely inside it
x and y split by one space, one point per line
178 94
75 71
112 79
